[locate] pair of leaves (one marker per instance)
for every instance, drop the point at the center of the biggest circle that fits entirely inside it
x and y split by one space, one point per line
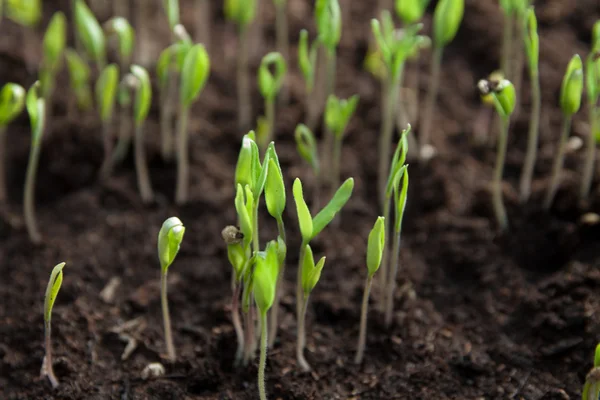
328 17
171 58
411 11
24 12
265 275
242 12
125 34
54 284
338 113
397 166
169 241
307 146
79 78
90 33
36 108
12 102
572 87
502 92
249 170
311 272
270 83
447 18
531 39
310 227
307 59
375 246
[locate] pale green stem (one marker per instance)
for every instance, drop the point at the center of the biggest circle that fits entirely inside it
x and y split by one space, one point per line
362 336
255 233
499 210
183 172
29 193
590 155
384 268
237 323
270 117
532 142
274 316
262 363
124 137
385 137
430 100
243 84
166 317
166 116
391 284
203 19
558 163
507 40
106 168
299 291
47 369
3 195
301 342
281 31
141 167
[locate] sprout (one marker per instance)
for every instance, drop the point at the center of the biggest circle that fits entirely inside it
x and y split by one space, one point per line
79 74
194 72
89 34
411 11
307 63
570 101
531 41
125 34
591 387
106 94
56 278
375 249
54 46
36 107
503 93
307 148
269 85
446 21
12 102
169 241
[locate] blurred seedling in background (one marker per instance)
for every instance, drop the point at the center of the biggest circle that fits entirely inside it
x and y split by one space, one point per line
89 34
56 278
12 102
106 95
591 387
306 145
28 14
52 62
307 63
269 85
79 78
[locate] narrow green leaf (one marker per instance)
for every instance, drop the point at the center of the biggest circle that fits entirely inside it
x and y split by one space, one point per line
242 12
172 10
79 78
411 11
572 87
143 96
54 284
194 73
246 225
531 39
375 246
326 215
24 12
169 241
304 218
329 22
54 42
106 91
311 273
275 190
90 32
446 21
237 258
400 200
263 169
12 102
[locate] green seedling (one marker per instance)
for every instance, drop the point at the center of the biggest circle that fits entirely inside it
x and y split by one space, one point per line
532 50
194 72
79 78
120 28
12 102
24 12
591 387
89 34
308 150
172 11
307 63
169 241
503 93
36 108
309 228
337 115
375 248
56 278
265 283
411 11
242 13
570 101
269 85
446 21
106 95
54 46
281 34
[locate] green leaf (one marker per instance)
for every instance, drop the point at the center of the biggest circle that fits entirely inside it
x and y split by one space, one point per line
400 201
275 190
311 273
194 73
242 12
106 91
24 12
597 356
531 39
12 102
307 146
125 34
329 22
270 83
307 59
446 21
260 179
246 225
338 113
304 218
90 33
411 11
397 166
54 42
326 215
375 246
79 78
596 36
169 241
243 168
237 257
592 76
56 278
172 10
35 107
572 87
505 98
281 251
143 97
265 277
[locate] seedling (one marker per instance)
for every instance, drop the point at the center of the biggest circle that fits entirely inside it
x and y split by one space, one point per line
307 148
531 41
309 228
570 101
12 102
375 249
503 93
172 10
307 63
446 21
125 35
106 94
269 85
242 13
56 278
169 241
281 34
79 78
89 34
54 46
36 107
194 72
591 388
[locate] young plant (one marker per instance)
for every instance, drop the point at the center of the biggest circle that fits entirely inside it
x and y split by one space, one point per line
194 72
309 228
269 85
89 34
169 241
56 278
591 387
36 107
54 46
307 148
79 78
503 93
307 63
570 101
120 28
375 248
446 21
242 13
12 102
106 94
281 34
531 41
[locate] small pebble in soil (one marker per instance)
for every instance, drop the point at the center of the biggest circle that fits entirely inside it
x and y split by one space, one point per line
153 370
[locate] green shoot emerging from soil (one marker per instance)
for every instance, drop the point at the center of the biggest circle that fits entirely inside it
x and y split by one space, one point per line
375 247
570 101
56 278
12 102
106 95
169 241
89 34
504 97
79 79
307 148
36 107
269 85
307 63
591 388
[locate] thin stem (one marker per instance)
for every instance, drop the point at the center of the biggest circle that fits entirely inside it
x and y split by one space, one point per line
384 268
203 18
507 40
532 142
106 168
499 210
124 137
262 363
141 167
166 317
166 116
273 323
337 152
29 194
183 174
243 84
416 86
47 369
558 163
255 233
362 336
590 155
270 116
391 284
432 93
385 137
3 196
329 90
299 291
237 323
281 31
301 342
519 60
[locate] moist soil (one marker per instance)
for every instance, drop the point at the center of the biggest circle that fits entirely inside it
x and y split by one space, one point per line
479 315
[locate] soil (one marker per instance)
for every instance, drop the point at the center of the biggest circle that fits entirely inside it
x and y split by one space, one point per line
480 315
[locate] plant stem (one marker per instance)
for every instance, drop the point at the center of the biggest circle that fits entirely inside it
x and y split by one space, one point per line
385 137
434 83
203 18
416 86
273 324
106 168
47 369
166 318
29 194
329 90
391 284
237 323
532 142
166 116
301 342
3 196
384 268
255 234
262 363
141 167
299 291
518 62
590 155
362 337
183 173
281 31
507 40
558 162
243 84
499 210
270 116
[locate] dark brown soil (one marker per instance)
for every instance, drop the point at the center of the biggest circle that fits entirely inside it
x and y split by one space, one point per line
481 315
